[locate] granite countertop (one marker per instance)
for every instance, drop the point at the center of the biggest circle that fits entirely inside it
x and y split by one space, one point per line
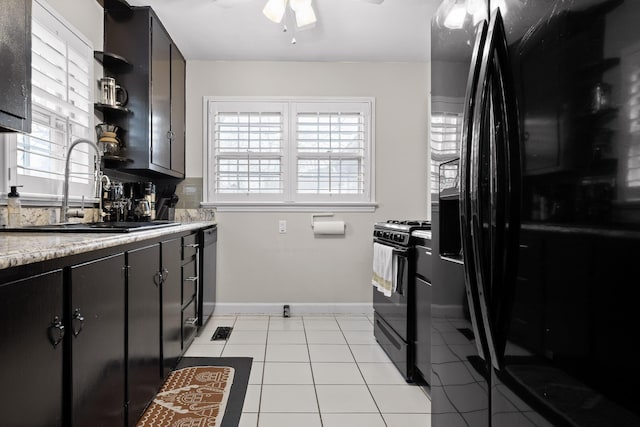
17 248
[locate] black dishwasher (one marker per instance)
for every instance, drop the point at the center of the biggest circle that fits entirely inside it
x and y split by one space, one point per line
207 291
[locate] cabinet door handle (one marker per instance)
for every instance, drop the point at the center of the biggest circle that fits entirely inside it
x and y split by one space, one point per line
164 275
55 331
192 245
191 321
191 279
78 318
157 278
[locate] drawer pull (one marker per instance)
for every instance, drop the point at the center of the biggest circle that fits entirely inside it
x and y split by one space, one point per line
191 321
191 279
191 245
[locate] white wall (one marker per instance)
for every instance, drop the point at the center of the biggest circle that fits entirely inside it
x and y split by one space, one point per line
255 263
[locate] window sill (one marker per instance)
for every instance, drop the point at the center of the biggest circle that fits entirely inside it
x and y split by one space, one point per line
290 207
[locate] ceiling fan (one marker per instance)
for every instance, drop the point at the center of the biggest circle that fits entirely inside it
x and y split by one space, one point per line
277 11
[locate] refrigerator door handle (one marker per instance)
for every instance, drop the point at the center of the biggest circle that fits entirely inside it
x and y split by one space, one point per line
494 279
466 171
508 176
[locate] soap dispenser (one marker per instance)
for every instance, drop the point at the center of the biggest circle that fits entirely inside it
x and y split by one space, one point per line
14 207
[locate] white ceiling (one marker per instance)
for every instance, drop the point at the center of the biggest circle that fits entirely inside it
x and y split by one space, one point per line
347 30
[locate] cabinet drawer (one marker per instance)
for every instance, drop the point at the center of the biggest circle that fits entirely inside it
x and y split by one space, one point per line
189 246
424 262
189 324
189 281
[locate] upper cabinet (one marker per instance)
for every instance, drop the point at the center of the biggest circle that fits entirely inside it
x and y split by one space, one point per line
15 66
153 133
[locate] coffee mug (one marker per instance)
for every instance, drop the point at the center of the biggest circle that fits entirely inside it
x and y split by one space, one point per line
109 92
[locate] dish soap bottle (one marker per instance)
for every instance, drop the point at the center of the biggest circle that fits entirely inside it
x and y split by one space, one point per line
14 207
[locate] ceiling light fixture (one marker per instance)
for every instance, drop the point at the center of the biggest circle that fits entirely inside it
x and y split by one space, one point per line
276 11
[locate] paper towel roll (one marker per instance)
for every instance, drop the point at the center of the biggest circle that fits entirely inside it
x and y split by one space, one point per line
328 227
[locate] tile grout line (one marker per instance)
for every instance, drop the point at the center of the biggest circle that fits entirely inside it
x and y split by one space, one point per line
364 379
313 378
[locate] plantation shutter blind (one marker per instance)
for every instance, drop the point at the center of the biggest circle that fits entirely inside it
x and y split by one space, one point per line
446 136
62 110
249 150
331 150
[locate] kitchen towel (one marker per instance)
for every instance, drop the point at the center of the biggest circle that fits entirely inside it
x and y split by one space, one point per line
384 269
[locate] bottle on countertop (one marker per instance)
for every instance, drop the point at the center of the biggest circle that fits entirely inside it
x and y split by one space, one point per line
14 208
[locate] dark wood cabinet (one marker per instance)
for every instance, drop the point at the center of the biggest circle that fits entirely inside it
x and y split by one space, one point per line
154 134
423 270
144 362
31 370
171 303
15 66
88 340
96 338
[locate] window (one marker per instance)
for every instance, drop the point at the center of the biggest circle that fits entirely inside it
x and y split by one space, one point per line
289 152
62 111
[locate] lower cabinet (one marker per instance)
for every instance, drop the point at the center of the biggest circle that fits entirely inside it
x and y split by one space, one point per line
171 303
144 361
31 370
96 339
90 343
423 330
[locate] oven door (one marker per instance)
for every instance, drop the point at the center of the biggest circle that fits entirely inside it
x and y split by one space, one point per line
394 309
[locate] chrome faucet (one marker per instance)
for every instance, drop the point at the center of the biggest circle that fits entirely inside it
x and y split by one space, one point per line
64 214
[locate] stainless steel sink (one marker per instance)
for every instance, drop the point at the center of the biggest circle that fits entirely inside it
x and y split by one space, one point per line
93 227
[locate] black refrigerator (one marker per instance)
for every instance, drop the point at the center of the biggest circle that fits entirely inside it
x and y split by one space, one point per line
535 150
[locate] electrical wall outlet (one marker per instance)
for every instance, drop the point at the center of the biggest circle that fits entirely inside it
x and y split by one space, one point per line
282 226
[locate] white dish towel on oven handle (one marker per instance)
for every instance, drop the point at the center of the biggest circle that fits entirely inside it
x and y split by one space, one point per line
385 269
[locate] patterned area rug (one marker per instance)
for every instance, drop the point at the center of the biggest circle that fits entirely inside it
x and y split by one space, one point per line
195 397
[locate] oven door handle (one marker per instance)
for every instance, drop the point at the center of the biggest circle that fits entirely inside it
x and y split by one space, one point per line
401 252
401 266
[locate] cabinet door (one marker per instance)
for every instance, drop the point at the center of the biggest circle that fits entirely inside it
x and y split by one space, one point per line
30 365
15 66
144 363
96 331
160 96
178 71
423 328
171 305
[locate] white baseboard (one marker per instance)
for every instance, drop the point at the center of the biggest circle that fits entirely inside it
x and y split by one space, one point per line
223 308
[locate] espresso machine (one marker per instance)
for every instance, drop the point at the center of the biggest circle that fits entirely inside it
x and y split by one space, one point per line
129 201
115 206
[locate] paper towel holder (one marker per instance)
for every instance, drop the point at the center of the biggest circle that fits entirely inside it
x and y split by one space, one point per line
314 216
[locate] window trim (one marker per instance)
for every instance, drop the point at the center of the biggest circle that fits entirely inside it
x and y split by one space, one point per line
338 203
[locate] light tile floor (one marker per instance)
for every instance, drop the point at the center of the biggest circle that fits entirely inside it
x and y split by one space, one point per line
316 371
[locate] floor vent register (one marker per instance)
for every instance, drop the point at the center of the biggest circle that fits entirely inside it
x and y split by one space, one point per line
221 333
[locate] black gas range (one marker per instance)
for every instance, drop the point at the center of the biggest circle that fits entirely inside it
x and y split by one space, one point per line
394 315
398 232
